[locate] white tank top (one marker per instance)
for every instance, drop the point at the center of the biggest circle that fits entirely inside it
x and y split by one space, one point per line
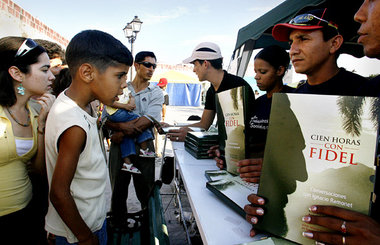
23 145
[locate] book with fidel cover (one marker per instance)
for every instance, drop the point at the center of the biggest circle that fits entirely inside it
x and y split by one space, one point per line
231 110
320 150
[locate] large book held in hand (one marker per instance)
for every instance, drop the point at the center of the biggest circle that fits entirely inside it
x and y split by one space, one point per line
198 143
231 189
230 108
320 150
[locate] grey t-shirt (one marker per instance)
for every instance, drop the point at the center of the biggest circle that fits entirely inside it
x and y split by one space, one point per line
148 101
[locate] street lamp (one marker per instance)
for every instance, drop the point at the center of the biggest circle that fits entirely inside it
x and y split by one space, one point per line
130 32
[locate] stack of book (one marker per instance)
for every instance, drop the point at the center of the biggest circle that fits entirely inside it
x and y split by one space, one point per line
198 143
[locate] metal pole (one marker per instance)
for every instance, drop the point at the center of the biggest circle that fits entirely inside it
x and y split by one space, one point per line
132 56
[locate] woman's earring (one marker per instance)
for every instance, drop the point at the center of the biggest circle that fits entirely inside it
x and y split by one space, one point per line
20 89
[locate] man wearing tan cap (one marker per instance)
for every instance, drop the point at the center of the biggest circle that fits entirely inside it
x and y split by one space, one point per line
208 61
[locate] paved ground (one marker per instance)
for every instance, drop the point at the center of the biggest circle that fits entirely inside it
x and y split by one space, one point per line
177 235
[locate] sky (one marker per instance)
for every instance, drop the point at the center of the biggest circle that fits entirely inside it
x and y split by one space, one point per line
171 28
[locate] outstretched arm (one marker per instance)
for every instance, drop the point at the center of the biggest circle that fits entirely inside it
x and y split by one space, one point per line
163 112
205 122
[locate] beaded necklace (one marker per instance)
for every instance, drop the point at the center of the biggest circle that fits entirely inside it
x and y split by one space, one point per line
27 124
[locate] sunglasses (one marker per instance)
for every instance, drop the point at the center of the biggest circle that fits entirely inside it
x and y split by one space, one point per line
311 20
25 47
147 64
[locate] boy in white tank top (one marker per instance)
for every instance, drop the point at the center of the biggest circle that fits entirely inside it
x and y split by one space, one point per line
76 167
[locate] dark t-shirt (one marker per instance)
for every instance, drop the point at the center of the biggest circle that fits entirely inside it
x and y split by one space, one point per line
343 83
373 89
166 99
259 122
229 81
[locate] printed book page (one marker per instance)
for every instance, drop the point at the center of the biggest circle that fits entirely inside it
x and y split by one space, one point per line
320 150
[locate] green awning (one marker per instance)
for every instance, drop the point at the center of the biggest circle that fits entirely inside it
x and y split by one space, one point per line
260 29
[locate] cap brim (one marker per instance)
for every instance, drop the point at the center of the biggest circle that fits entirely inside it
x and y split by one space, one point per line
281 32
189 60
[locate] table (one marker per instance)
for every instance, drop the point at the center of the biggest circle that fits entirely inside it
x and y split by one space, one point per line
217 223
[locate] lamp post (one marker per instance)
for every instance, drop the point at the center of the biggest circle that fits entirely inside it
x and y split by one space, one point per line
130 32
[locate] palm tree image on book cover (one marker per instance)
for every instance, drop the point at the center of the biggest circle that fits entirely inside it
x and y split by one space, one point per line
231 124
320 150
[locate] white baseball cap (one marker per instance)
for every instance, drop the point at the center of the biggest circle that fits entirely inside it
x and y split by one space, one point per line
205 51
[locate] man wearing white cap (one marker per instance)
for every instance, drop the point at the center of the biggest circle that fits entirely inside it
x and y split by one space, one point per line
208 60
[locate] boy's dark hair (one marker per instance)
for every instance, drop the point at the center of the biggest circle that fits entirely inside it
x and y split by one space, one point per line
217 64
140 56
54 50
97 48
8 49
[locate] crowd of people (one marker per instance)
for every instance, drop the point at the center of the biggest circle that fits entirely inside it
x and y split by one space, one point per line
53 169
315 44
